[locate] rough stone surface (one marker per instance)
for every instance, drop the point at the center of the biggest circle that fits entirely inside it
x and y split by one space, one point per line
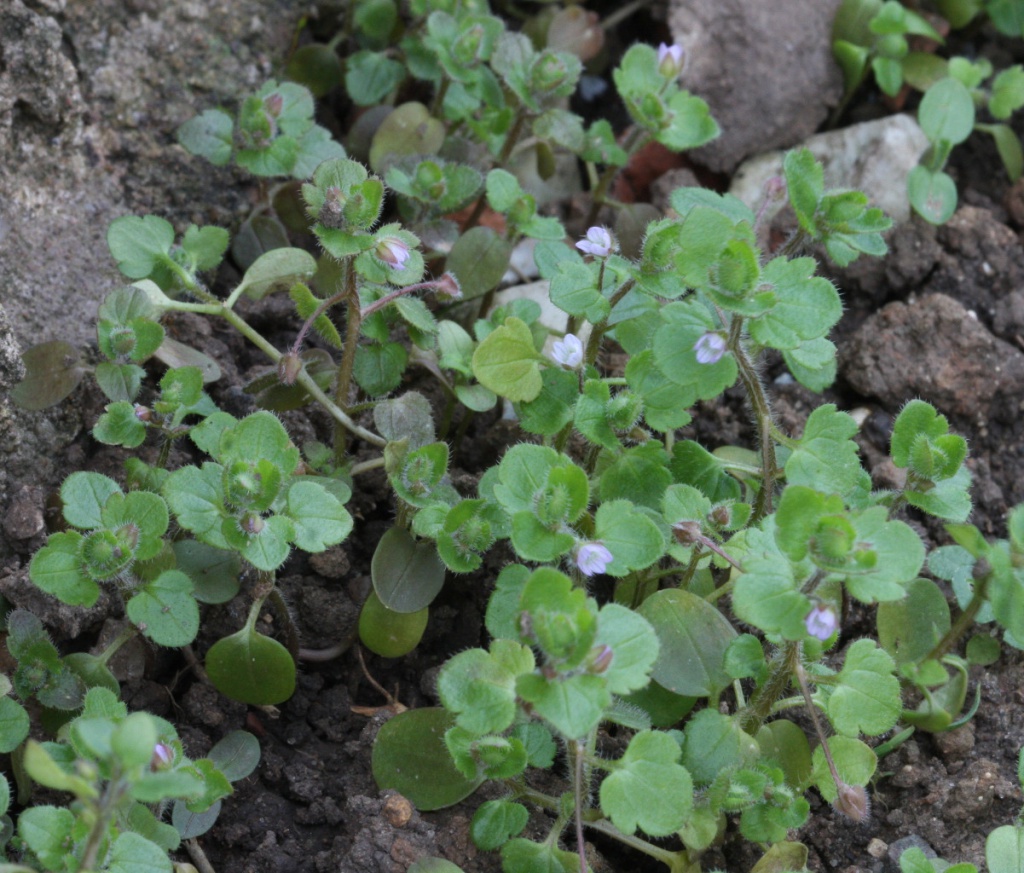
92 140
934 349
874 157
766 70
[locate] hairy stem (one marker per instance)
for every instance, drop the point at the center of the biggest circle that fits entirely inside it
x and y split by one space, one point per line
348 358
762 418
966 618
760 707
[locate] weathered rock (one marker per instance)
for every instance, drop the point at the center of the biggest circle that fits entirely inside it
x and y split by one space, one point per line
934 349
874 157
766 70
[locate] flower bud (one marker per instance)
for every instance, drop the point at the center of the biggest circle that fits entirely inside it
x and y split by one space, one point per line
721 515
671 60
393 252
288 368
143 413
853 802
687 532
273 103
448 287
600 658
163 757
252 523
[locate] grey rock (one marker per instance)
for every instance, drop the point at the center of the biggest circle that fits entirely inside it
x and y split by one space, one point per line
767 61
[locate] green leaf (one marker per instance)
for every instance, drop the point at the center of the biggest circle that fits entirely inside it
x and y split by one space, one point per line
714 743
634 645
410 756
251 668
205 246
318 516
131 853
947 112
139 245
827 459
496 821
52 371
908 629
408 130
573 705
507 362
648 789
388 633
480 687
767 596
693 638
1004 849
166 610
855 761
685 322
378 368
574 289
407 574
47 830
807 307
479 259
14 725
813 363
932 194
84 496
371 76
867 698
56 569
194 495
208 135
634 540
276 270
525 856
120 426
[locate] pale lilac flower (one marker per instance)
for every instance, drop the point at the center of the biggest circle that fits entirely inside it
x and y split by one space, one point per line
593 558
670 60
163 757
821 622
710 348
391 250
597 242
568 351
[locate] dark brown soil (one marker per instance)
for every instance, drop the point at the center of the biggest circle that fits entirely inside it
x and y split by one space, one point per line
942 317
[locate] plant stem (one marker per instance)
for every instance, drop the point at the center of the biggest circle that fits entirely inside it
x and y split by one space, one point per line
761 703
636 139
105 808
198 856
348 358
964 620
812 710
291 633
128 632
366 466
577 784
506 151
597 334
763 418
304 379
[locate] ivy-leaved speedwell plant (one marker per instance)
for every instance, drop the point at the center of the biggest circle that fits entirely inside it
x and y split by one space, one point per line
774 536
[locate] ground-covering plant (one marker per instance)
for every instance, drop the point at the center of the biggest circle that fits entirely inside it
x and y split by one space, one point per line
878 37
771 539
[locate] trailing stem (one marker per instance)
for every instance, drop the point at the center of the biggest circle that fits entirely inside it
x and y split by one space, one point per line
348 358
762 418
783 665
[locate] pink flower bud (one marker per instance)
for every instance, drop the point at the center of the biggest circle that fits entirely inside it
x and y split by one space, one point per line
392 251
448 287
597 242
687 532
853 802
671 59
288 368
593 558
163 757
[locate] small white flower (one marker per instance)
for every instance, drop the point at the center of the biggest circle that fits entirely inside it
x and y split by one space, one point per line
593 558
670 60
163 757
710 348
568 351
597 242
821 622
391 250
